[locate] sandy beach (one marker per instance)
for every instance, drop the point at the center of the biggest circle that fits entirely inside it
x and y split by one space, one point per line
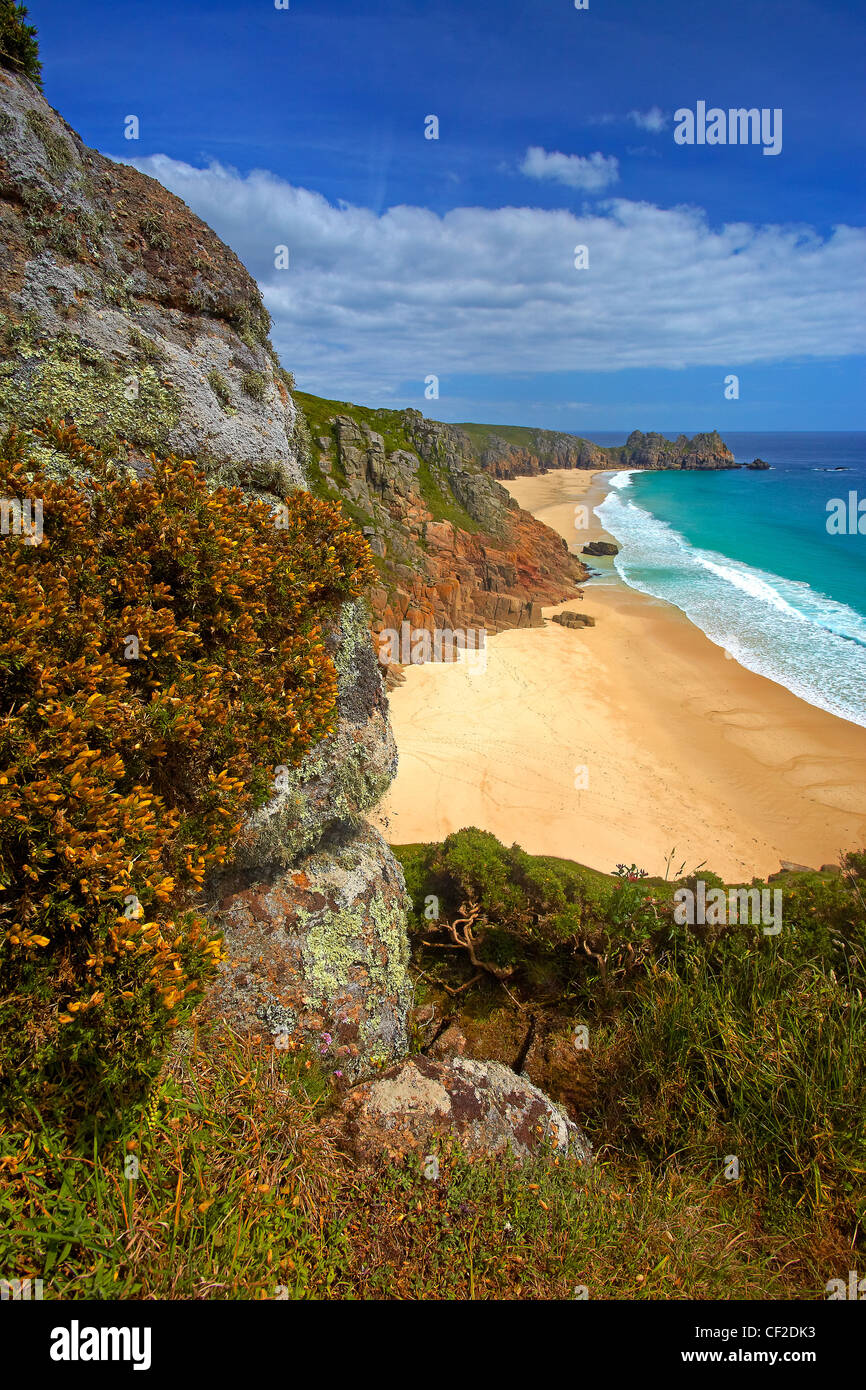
622 742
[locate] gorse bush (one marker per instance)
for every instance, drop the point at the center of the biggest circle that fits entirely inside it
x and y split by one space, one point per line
161 652
19 49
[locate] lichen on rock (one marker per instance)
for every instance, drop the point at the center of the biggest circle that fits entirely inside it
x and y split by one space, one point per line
486 1106
319 954
346 775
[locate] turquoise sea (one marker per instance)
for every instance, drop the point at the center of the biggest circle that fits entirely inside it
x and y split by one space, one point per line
749 559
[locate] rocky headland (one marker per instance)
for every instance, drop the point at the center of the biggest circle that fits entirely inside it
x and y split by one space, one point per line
517 451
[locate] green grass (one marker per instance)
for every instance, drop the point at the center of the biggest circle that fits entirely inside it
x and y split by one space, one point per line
704 1042
540 442
444 505
241 1194
320 412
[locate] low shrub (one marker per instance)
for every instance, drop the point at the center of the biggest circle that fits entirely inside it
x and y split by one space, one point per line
705 1041
161 652
19 48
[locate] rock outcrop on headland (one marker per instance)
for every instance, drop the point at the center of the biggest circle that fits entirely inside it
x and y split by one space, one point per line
516 451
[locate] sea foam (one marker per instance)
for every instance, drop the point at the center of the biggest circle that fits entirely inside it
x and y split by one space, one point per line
779 628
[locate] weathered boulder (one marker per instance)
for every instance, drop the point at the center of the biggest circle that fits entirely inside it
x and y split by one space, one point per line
758 465
318 954
121 309
485 1106
569 619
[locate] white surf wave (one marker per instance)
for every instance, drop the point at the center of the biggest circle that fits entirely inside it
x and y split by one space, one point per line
779 628
623 479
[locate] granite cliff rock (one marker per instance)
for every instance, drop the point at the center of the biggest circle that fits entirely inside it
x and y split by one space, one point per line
452 548
122 311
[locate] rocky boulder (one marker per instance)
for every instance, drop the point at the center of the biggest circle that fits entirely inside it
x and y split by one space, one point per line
600 548
121 309
318 954
573 619
485 1106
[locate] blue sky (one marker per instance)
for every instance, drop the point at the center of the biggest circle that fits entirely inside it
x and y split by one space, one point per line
454 257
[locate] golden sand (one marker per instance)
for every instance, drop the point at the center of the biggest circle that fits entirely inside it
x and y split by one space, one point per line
622 742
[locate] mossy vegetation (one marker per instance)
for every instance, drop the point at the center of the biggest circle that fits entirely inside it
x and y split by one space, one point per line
65 378
254 384
57 149
152 228
147 349
220 388
250 319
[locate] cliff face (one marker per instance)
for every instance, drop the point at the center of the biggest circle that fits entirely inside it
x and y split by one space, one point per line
121 310
514 452
453 550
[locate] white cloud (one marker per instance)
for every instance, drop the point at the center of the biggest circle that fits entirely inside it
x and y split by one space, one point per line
654 119
592 172
372 301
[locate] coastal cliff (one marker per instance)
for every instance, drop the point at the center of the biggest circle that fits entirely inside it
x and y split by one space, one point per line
125 315
452 549
517 451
